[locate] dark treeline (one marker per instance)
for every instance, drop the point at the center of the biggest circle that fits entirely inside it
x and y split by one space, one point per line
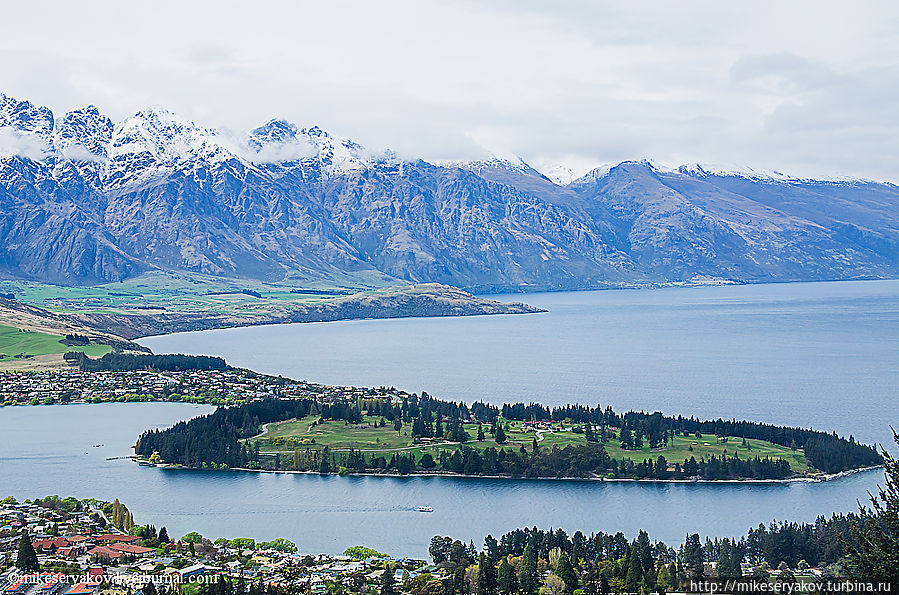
127 362
827 452
820 544
610 563
215 439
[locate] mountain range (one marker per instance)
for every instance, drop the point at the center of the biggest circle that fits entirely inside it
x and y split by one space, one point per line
85 200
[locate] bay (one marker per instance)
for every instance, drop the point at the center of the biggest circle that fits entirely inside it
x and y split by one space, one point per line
50 450
824 355
812 354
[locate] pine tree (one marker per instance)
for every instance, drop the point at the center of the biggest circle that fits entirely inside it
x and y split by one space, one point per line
459 581
527 572
693 557
500 435
728 561
26 558
325 464
565 572
644 550
487 584
634 575
470 552
505 578
873 551
625 438
163 535
664 582
387 581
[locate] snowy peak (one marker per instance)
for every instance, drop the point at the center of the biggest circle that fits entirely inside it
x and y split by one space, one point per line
273 131
559 174
509 163
83 135
705 170
594 175
335 154
25 117
277 141
25 129
162 136
280 141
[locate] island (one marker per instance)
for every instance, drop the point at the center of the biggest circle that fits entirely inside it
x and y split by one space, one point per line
385 431
274 424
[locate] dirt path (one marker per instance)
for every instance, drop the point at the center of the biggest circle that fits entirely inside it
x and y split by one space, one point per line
264 430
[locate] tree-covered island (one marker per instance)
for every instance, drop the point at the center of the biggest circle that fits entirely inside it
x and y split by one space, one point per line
419 434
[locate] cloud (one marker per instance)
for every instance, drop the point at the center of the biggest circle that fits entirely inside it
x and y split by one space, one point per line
76 152
16 144
768 84
264 151
279 152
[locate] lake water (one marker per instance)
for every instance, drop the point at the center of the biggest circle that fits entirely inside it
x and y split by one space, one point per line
823 355
808 354
50 450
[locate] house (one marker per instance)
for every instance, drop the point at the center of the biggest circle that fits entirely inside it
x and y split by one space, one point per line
206 549
189 571
48 546
83 589
50 583
132 550
105 553
110 538
71 551
20 586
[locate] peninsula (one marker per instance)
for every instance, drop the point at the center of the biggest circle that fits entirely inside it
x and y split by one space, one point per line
348 430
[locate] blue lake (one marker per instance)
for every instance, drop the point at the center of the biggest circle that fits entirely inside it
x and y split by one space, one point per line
823 355
808 354
49 450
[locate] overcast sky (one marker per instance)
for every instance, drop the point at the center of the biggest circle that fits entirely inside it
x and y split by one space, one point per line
807 88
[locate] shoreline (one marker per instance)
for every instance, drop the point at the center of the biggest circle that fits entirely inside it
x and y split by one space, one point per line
802 479
816 478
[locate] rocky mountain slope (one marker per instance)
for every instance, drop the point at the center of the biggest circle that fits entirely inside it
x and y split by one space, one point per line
85 200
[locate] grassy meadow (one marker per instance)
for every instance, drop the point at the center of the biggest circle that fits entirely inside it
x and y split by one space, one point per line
18 343
305 433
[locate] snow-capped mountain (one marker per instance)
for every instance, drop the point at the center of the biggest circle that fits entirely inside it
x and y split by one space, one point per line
560 174
84 200
492 162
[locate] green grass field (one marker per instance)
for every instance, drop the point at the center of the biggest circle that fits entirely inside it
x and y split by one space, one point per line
679 449
191 293
15 343
289 435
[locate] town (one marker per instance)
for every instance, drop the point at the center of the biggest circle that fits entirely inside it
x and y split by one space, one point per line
217 387
81 547
65 546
